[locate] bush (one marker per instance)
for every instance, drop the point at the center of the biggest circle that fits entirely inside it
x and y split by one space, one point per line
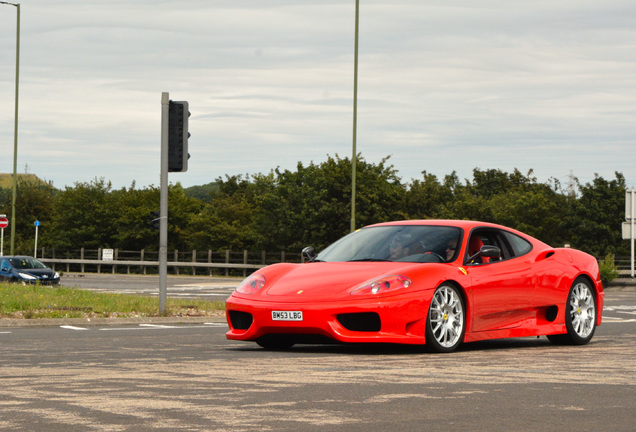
608 269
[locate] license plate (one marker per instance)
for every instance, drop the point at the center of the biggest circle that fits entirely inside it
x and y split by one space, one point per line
287 315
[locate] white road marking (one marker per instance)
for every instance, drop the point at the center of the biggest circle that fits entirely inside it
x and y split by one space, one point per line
68 327
608 320
156 326
5 332
620 308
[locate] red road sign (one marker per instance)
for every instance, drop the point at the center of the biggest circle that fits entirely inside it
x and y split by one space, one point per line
4 222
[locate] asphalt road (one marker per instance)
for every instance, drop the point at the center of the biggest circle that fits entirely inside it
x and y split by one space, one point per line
188 377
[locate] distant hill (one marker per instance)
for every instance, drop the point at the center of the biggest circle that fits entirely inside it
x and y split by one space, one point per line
6 180
202 192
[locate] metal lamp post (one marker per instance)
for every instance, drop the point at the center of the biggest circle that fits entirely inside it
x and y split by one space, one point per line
15 125
354 156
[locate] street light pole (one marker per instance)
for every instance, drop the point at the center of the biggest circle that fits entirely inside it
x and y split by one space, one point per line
354 156
15 124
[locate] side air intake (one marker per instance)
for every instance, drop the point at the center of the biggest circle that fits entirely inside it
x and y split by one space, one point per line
361 322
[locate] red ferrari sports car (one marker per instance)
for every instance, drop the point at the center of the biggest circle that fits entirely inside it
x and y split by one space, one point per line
437 283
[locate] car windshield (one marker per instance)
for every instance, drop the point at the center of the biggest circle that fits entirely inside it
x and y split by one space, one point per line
26 263
405 243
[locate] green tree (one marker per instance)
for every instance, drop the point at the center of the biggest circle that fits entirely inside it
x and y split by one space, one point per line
426 198
131 227
34 202
181 208
312 205
290 209
227 222
83 216
596 217
537 211
493 182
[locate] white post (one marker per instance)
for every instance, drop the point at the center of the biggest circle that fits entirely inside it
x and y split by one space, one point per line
632 230
5 221
35 249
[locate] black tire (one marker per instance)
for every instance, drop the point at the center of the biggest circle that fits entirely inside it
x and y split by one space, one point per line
580 315
446 320
275 343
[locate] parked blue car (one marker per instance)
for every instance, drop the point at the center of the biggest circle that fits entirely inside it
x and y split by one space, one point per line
26 270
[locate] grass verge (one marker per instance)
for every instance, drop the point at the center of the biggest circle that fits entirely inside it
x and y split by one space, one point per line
36 301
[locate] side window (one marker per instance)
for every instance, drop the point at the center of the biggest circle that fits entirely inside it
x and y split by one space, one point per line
519 246
482 237
491 237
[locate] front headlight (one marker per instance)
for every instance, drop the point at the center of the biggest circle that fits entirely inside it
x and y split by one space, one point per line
27 276
382 285
56 275
251 284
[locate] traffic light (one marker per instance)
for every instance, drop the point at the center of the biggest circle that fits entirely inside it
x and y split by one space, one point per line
178 136
155 220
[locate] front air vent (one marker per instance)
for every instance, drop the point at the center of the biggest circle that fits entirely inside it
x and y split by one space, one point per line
361 322
240 320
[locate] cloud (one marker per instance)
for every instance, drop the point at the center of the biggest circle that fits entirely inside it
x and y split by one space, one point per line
544 85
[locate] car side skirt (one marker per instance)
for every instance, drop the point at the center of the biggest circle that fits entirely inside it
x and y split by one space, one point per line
527 331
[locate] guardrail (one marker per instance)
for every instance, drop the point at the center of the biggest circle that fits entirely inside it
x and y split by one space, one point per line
623 265
226 261
128 264
214 263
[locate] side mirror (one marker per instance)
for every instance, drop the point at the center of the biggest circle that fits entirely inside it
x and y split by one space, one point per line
490 251
310 253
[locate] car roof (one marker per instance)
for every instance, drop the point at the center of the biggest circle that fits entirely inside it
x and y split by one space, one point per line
465 224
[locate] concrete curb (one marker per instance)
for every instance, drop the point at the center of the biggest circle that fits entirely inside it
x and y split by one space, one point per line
54 322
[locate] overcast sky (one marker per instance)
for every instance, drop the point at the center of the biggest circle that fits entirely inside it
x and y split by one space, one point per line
443 86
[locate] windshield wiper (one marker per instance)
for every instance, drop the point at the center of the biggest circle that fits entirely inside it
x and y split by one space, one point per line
370 260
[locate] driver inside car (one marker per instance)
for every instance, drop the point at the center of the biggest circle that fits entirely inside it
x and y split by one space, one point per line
450 249
399 247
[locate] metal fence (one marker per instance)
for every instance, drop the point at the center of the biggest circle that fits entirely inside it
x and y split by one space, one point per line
624 266
212 263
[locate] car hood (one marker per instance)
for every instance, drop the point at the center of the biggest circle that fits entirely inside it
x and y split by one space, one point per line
39 273
328 281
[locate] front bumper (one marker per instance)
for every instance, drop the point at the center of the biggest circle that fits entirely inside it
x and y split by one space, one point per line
39 281
389 319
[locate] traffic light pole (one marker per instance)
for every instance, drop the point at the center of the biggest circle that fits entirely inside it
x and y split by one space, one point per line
163 205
